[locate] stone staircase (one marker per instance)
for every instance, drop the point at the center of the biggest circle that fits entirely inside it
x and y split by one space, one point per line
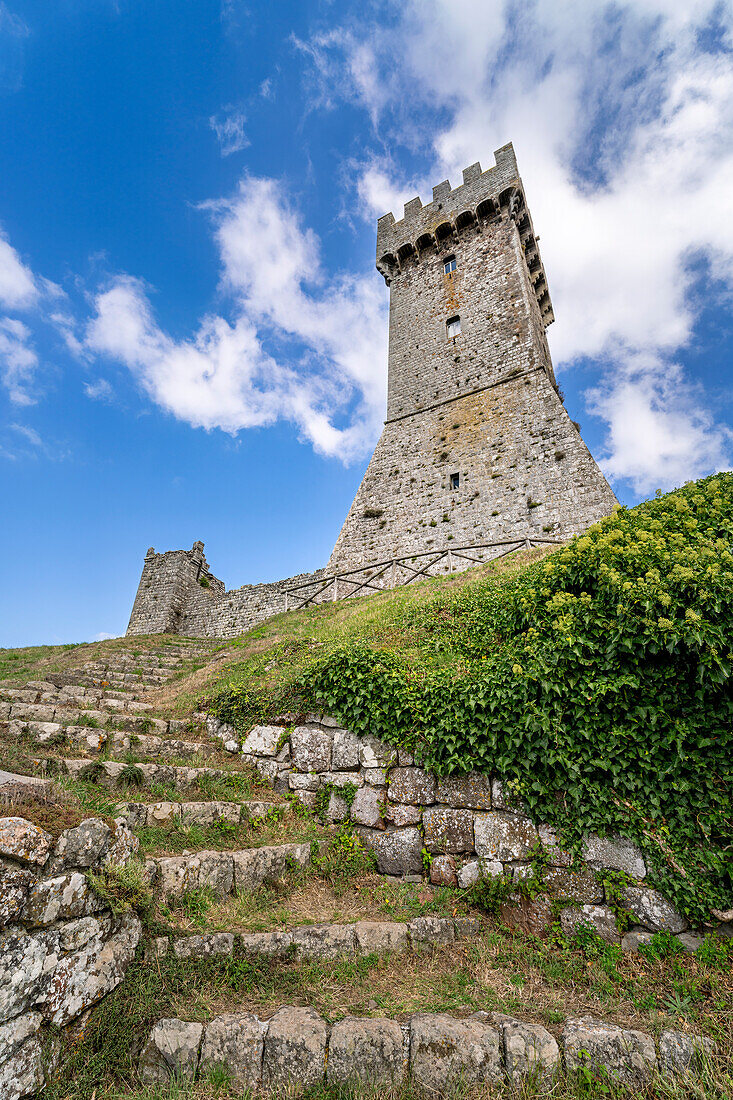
219 820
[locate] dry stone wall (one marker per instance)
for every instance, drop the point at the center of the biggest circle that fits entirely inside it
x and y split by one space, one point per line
463 827
61 948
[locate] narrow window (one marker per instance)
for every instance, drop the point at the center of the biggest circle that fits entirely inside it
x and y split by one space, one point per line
449 264
455 481
453 325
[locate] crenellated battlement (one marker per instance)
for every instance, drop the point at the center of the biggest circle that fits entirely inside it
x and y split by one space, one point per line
484 198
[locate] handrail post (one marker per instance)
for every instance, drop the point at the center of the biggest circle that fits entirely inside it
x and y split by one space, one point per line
335 588
393 575
450 561
287 600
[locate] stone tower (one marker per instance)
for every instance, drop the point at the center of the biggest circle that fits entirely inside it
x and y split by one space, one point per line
477 446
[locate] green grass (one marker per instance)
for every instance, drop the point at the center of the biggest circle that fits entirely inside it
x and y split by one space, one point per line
485 975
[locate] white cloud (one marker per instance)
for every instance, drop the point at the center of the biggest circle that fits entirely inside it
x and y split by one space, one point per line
99 390
18 360
30 434
330 328
17 286
659 431
103 636
623 127
229 129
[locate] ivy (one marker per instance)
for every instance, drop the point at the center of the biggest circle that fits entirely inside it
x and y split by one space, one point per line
597 683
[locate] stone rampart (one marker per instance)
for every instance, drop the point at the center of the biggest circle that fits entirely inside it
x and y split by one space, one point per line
61 947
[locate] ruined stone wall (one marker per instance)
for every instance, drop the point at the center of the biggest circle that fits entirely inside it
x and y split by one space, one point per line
167 584
61 947
178 594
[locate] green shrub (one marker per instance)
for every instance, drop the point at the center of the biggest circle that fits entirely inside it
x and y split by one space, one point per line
124 889
597 681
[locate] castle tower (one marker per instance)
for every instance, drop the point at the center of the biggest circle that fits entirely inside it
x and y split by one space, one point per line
477 446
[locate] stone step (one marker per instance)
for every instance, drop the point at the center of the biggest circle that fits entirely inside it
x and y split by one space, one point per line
113 742
138 724
225 872
138 815
325 941
110 771
431 1054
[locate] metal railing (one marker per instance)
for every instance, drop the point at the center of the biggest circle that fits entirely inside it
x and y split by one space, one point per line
397 572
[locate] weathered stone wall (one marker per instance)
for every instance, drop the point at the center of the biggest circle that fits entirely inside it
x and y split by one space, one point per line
469 826
61 948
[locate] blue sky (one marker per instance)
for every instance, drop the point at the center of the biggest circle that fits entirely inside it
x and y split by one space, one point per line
192 332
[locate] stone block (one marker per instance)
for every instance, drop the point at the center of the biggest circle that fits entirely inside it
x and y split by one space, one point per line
171 1051
400 815
295 1050
427 932
83 977
381 937
533 916
503 836
448 830
414 786
469 874
443 871
615 854
263 740
276 944
21 1070
398 851
345 753
202 947
253 866
530 1051
24 842
234 1042
15 883
310 749
625 1055
83 846
652 909
163 813
337 809
366 808
581 885
680 1053
25 962
471 792
365 1051
634 939
206 813
324 941
599 918
303 781
374 753
341 779
215 872
63 898
444 1052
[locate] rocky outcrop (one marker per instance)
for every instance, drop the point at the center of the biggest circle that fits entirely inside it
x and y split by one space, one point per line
61 948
